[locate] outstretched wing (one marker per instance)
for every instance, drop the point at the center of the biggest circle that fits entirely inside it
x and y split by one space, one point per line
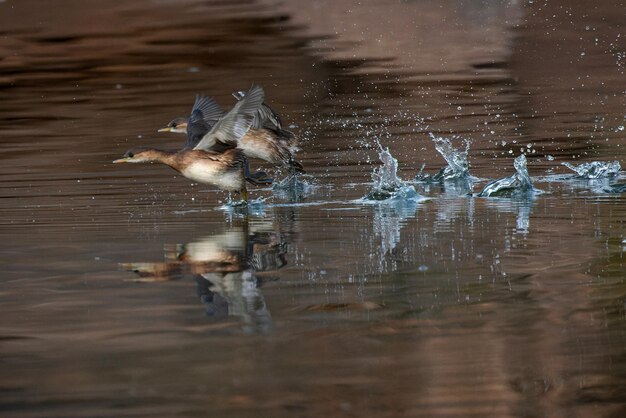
204 114
234 125
197 127
265 117
211 111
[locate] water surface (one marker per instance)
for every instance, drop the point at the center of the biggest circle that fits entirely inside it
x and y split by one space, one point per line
128 291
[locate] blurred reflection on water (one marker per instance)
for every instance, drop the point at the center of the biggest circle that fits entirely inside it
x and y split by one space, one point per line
129 291
224 267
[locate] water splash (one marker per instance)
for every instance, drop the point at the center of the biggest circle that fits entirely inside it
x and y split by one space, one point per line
515 185
458 165
616 188
386 183
595 169
293 188
254 207
386 176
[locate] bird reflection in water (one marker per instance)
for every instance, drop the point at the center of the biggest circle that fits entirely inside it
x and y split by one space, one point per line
228 269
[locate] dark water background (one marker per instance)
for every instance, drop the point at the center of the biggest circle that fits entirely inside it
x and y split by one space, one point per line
455 306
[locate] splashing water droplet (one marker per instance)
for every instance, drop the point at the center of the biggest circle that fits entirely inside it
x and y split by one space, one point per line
458 166
517 184
387 184
595 169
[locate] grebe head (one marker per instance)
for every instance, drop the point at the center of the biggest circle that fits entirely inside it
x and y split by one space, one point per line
177 125
140 155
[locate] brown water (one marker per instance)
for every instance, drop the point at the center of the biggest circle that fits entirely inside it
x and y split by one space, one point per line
128 291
